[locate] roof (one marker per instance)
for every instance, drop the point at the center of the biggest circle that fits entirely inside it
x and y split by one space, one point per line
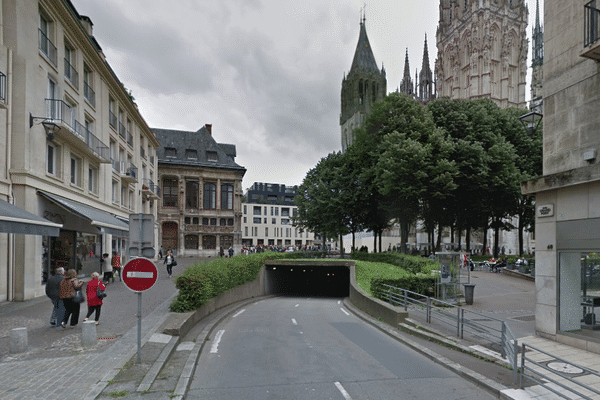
16 220
364 60
201 141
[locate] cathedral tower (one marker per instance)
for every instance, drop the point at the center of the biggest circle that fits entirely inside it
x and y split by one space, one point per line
406 86
482 50
537 62
426 84
364 85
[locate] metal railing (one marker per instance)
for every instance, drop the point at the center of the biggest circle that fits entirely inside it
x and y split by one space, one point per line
154 188
591 28
58 110
95 144
548 381
129 138
2 87
89 94
71 74
112 120
461 321
122 131
47 47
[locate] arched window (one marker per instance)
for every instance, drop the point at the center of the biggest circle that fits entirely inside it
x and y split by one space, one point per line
209 242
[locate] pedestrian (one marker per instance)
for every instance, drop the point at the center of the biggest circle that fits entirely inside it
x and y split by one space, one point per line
107 269
53 292
68 286
170 261
93 301
230 251
116 265
160 253
221 252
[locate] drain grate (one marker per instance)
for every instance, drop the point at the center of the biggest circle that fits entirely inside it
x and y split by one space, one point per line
525 318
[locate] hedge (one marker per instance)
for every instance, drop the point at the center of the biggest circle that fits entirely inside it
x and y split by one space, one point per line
412 264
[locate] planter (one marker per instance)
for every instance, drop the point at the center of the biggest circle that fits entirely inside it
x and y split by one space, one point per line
522 270
532 271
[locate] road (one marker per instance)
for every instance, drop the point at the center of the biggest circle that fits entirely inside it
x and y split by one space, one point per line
312 348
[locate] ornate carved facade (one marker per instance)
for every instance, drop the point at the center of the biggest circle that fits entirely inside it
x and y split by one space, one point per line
482 50
537 63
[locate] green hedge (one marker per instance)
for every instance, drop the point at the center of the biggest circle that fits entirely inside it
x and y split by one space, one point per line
412 264
201 282
422 284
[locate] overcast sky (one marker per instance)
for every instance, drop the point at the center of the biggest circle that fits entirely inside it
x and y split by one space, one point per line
266 74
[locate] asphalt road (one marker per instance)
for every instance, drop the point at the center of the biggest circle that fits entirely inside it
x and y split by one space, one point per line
312 348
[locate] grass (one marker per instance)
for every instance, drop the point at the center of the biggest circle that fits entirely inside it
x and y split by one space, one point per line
365 271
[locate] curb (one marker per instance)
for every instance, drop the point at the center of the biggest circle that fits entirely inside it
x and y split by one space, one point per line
487 384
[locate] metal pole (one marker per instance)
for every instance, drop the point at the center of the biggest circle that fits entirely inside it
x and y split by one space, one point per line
458 310
139 336
515 362
405 301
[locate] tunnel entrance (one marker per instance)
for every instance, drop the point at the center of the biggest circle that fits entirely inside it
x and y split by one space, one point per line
308 278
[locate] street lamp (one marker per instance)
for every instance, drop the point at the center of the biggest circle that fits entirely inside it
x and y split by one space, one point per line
50 127
531 121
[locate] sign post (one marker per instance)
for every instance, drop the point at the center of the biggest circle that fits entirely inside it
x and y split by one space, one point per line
138 275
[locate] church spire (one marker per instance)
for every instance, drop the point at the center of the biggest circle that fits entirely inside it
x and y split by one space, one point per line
406 86
537 39
364 60
426 92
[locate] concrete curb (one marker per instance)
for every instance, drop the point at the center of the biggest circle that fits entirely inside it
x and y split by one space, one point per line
487 384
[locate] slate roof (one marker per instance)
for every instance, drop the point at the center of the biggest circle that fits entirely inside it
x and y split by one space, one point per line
364 60
201 141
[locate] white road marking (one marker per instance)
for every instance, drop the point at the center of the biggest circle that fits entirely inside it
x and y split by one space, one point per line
296 305
294 321
215 346
343 391
344 311
238 313
339 301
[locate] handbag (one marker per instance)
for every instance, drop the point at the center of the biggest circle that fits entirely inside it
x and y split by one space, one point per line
100 293
174 263
78 298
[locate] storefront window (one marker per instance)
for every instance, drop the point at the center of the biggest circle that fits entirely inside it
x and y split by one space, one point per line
88 252
580 293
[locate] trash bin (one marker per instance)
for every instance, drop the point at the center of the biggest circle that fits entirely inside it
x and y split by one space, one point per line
469 289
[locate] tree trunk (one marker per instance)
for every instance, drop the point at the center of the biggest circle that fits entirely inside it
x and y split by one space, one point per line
353 241
439 237
459 239
380 235
485 229
404 227
496 236
468 239
521 228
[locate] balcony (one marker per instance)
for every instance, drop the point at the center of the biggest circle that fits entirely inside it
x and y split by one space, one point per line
112 120
150 188
591 31
89 94
71 74
128 172
74 133
2 90
47 47
130 138
122 131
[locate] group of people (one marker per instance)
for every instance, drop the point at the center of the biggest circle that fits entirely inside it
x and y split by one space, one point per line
62 289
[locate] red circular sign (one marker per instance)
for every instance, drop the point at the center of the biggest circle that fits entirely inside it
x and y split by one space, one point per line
139 274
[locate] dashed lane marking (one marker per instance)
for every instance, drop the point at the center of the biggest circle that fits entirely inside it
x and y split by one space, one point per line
344 311
294 321
238 313
342 391
215 346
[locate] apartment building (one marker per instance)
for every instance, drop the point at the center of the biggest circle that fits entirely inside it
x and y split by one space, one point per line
267 217
77 154
200 208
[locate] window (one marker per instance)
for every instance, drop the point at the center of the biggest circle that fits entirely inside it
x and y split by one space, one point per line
256 210
227 196
88 86
45 33
131 201
123 195
295 212
191 242
285 221
245 218
266 231
122 130
265 211
271 210
89 125
191 154
187 220
213 222
222 222
246 231
191 194
265 221
256 220
71 73
170 152
195 220
209 242
75 170
245 210
285 212
93 180
53 159
210 196
170 192
212 156
273 221
204 221
276 211
115 192
230 222
112 117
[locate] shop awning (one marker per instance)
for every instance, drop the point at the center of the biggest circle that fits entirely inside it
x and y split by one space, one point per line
16 220
100 219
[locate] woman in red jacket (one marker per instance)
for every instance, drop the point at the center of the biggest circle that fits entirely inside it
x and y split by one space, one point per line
93 301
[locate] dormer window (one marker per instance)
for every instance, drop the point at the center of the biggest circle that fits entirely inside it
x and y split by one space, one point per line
212 156
170 152
191 154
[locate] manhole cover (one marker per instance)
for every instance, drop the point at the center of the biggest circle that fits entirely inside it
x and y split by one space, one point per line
525 318
565 368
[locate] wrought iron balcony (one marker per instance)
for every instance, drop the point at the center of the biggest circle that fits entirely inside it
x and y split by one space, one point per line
47 47
89 94
71 74
73 132
112 120
130 138
150 188
122 131
128 172
591 31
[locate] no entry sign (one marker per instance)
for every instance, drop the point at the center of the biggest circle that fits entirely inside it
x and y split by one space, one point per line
139 274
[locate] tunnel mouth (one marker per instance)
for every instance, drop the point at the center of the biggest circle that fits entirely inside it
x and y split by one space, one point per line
308 278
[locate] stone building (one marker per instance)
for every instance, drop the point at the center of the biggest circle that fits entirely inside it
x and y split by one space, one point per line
537 62
200 208
482 50
76 153
267 217
568 194
424 86
364 85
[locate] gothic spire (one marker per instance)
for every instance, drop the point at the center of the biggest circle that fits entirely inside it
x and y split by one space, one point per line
364 60
425 77
406 86
537 39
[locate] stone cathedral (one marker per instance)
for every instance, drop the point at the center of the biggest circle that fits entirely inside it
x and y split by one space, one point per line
482 50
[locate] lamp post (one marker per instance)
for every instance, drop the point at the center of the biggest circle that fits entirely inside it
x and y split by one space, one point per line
531 121
50 127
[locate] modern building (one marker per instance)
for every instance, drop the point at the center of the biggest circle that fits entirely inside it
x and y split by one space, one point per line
568 194
200 208
267 217
482 50
76 152
364 85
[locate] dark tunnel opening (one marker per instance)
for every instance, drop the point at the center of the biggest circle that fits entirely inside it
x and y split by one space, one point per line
308 280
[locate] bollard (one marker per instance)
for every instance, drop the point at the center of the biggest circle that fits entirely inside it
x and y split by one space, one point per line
18 340
88 334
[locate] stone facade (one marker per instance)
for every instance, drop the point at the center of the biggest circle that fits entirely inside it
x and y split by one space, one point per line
88 173
482 50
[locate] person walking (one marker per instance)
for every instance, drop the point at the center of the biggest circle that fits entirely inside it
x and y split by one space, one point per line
68 286
160 252
94 302
230 251
53 292
116 265
170 262
107 269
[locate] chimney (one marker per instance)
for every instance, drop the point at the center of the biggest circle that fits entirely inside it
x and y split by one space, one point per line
87 24
209 128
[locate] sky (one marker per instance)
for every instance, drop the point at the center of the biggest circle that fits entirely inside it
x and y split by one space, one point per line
266 74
